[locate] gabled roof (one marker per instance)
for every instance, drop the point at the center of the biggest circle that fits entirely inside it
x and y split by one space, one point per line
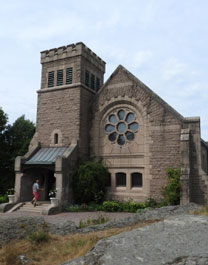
145 88
46 156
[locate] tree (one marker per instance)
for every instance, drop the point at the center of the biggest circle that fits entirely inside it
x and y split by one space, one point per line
4 151
89 182
19 136
3 121
14 141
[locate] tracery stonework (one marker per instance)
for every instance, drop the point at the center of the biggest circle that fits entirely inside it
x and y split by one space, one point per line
121 127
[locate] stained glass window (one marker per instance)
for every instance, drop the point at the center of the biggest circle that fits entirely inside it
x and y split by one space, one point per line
121 127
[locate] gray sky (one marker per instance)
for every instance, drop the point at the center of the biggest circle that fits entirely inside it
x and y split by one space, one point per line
162 42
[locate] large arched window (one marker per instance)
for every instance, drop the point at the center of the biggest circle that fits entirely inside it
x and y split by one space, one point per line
136 179
121 179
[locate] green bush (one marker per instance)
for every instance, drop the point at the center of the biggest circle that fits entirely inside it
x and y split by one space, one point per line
112 206
132 206
4 199
38 237
150 203
89 183
73 208
171 192
95 207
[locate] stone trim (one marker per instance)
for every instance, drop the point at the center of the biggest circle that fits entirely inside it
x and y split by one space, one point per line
71 86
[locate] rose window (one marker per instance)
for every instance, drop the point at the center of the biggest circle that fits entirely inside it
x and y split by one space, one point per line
121 127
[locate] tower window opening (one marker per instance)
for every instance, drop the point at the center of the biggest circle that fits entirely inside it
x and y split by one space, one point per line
69 74
51 79
92 81
97 83
87 78
56 138
60 77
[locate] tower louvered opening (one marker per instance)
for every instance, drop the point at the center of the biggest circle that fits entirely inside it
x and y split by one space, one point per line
51 79
60 77
69 73
97 84
87 78
92 81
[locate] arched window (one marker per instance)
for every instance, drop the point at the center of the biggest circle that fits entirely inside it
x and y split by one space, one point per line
136 179
56 138
121 179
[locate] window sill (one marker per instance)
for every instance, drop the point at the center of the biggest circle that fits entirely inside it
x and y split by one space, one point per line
120 188
136 189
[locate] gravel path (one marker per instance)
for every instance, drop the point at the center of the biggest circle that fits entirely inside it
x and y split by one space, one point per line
74 217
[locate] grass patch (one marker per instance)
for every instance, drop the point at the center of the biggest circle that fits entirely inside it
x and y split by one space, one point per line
203 210
100 220
58 249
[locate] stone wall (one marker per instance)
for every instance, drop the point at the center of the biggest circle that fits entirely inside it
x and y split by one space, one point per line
194 177
58 109
156 146
165 146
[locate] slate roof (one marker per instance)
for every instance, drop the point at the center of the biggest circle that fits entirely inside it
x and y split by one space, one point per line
46 156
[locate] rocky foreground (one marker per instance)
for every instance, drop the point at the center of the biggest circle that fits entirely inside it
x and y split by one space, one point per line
180 238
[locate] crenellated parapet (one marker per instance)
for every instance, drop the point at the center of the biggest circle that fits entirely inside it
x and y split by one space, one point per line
72 50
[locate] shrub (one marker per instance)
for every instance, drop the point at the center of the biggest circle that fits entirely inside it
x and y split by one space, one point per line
3 199
89 183
38 237
132 206
73 208
10 191
112 206
95 207
171 192
150 203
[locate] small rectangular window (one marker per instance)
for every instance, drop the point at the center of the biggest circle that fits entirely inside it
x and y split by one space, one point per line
69 74
60 77
87 78
92 81
51 79
97 83
120 179
136 179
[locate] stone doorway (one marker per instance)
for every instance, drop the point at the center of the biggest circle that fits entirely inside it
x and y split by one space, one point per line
47 181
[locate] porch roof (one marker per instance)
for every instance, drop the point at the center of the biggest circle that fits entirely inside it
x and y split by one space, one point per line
46 156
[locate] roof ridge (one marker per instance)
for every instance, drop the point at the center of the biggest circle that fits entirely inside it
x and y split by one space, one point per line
145 87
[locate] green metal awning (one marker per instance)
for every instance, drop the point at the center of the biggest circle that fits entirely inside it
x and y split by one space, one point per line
46 156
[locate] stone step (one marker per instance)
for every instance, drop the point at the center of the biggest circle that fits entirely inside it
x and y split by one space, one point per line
30 210
28 207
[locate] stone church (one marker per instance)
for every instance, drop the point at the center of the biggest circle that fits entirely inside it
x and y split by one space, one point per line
121 122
